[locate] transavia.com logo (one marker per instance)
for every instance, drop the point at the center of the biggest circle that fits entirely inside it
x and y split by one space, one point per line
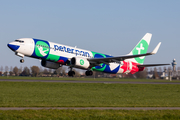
141 48
41 49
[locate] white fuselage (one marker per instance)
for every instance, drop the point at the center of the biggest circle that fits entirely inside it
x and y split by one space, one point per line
60 53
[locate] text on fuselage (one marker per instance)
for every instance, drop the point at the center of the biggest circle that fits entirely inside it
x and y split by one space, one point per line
69 50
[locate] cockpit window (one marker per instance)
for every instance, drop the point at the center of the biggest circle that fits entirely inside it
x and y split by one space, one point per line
20 41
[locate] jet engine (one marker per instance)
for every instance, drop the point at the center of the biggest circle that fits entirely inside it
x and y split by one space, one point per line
80 62
49 64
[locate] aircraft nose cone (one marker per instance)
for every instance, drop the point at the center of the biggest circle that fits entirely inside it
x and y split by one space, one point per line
13 47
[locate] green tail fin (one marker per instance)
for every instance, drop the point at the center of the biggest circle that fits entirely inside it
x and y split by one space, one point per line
141 48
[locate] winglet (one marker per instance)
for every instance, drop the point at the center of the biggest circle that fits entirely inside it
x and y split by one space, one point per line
156 49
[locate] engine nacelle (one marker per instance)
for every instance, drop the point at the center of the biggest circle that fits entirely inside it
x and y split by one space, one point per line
80 62
49 64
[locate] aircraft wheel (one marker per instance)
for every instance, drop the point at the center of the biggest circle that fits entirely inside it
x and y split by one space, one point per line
22 60
71 73
89 73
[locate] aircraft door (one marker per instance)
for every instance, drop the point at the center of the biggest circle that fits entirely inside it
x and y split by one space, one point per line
129 67
27 47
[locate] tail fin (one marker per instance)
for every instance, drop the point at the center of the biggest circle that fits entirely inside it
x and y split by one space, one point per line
141 48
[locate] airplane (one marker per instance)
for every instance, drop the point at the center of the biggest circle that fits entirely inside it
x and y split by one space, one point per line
53 56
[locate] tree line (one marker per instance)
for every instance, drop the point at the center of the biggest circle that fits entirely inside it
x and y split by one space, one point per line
35 71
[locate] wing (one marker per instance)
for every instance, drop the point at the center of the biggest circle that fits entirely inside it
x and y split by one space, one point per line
107 60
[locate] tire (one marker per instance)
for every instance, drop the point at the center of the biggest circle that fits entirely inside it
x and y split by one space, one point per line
22 60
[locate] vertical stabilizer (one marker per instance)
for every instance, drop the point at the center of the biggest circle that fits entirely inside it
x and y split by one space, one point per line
141 48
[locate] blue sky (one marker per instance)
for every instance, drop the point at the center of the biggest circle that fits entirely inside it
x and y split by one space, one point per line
105 26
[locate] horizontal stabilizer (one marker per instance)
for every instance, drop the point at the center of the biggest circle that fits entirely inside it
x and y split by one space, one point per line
151 65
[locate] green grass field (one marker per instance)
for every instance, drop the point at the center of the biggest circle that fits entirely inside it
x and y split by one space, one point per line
90 115
39 94
86 79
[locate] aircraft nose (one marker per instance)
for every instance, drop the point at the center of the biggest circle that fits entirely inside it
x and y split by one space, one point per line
13 47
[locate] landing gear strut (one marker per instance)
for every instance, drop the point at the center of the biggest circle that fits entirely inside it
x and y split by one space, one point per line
22 60
89 73
71 73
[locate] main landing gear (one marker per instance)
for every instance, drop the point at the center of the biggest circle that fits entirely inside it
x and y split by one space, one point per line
22 60
71 73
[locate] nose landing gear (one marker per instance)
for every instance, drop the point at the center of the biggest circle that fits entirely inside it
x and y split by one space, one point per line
20 55
22 60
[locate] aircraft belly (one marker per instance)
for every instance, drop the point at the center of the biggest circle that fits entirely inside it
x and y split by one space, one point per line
112 68
120 71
